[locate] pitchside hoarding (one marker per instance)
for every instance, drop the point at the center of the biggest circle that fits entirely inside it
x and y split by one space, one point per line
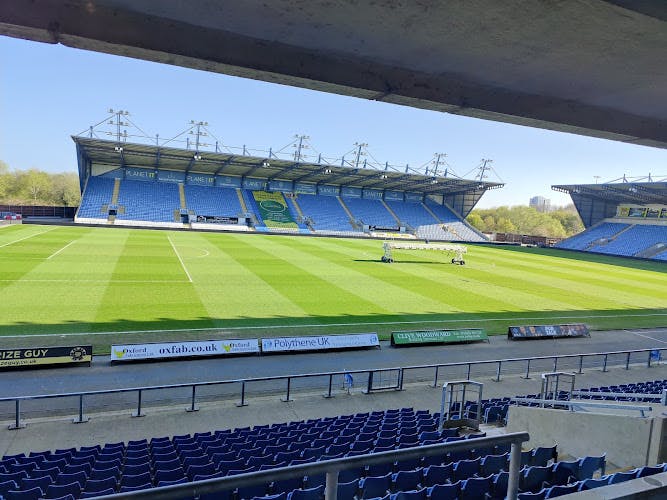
547 331
174 350
43 356
413 337
319 343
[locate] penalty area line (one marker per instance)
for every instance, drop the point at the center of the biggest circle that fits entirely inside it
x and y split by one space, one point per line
180 259
320 325
57 252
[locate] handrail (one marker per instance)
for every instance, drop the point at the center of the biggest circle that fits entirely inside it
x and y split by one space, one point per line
243 382
331 469
572 405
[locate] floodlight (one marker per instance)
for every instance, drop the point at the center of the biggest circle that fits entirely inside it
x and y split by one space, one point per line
118 149
196 157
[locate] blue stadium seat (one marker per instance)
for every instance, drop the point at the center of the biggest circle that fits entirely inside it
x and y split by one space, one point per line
375 486
444 491
420 494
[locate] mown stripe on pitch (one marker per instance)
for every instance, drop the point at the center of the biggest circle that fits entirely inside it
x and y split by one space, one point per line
427 287
593 273
228 289
388 296
579 287
303 288
149 254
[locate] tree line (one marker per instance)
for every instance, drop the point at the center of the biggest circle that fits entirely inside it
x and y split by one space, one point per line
36 187
559 223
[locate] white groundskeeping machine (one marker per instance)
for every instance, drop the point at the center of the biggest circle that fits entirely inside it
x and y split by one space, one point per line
456 250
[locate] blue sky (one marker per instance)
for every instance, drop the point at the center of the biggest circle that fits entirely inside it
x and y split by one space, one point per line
49 92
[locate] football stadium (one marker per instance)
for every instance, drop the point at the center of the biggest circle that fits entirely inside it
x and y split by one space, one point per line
259 325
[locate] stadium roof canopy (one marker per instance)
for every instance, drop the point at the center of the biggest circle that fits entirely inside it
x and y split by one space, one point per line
594 67
461 194
595 202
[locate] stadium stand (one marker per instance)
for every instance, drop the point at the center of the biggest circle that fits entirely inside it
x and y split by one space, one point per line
212 201
325 212
411 215
251 205
442 212
615 238
148 201
634 240
583 241
96 198
99 470
371 212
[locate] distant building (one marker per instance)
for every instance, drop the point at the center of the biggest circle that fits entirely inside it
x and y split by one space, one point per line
540 203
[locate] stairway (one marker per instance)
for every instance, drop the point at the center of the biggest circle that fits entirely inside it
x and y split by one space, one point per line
353 222
398 221
114 200
181 195
430 212
116 191
241 201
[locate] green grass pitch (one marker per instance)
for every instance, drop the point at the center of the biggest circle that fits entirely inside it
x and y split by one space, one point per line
61 280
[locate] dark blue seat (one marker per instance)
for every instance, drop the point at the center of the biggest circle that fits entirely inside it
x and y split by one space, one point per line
533 496
475 488
316 493
464 469
375 486
405 480
591 484
408 464
77 477
620 477
74 468
167 475
499 485
136 469
137 487
438 474
410 495
135 480
543 455
565 472
52 473
286 485
347 475
590 465
492 464
39 482
560 490
200 470
649 470
380 469
278 496
347 491
93 485
167 464
32 494
226 466
248 492
60 490
13 476
444 491
6 486
533 479
91 494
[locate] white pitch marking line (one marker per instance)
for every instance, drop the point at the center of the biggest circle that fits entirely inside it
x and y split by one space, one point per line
180 260
647 337
20 280
56 253
319 325
21 239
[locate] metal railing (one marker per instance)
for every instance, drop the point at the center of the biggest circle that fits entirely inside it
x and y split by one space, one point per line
329 376
332 467
582 405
